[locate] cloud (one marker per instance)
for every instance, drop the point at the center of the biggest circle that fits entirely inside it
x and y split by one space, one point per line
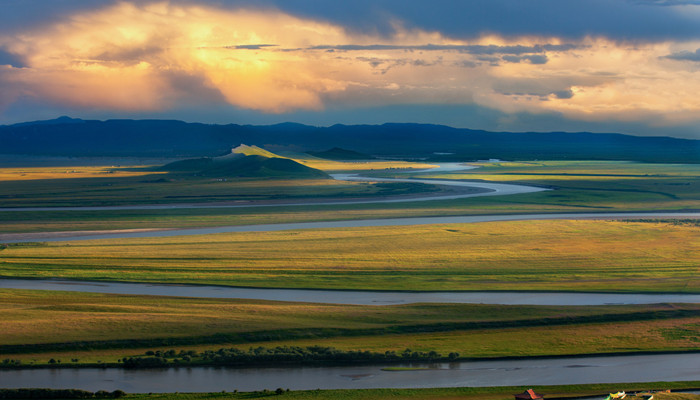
685 55
10 59
158 56
615 20
250 46
563 94
668 2
532 59
131 56
471 49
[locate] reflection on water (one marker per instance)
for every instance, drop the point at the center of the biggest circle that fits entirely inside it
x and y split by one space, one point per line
646 368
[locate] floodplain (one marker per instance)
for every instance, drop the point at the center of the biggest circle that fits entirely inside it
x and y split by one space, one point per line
620 256
580 255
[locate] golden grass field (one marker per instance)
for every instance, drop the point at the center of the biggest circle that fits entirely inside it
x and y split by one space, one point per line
584 255
40 318
558 255
579 186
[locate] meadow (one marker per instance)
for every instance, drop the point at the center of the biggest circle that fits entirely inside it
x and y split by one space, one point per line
555 255
101 329
579 186
482 393
649 256
479 393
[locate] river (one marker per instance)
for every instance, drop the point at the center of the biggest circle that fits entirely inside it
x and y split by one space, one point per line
570 370
351 296
487 189
65 236
524 372
480 189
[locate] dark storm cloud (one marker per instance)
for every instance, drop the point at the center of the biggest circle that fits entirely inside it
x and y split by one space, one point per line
10 59
532 59
615 19
667 2
563 94
647 20
26 14
685 56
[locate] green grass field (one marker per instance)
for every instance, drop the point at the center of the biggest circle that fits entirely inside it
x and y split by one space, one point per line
593 186
605 256
489 393
39 325
479 393
593 256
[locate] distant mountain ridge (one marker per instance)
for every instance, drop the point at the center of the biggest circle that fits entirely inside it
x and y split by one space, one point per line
168 138
337 153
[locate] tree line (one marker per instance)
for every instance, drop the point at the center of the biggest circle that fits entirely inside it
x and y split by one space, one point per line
32 393
280 354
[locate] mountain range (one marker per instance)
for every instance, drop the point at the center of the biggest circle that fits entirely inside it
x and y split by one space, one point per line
168 138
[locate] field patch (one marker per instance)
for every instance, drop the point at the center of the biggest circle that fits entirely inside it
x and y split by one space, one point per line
557 255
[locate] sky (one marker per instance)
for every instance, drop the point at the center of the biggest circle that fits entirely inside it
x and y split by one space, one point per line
628 66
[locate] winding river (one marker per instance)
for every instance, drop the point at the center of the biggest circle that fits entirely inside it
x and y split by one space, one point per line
479 189
553 371
570 370
49 237
483 189
375 298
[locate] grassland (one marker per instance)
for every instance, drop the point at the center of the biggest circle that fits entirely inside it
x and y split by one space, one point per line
589 185
146 184
93 328
479 393
579 187
166 189
605 256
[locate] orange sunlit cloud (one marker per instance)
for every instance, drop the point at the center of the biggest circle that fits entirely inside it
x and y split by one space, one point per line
149 56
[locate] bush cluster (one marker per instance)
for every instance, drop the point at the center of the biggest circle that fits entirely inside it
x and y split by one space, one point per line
280 354
58 394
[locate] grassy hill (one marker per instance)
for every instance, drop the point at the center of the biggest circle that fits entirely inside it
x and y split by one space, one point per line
245 161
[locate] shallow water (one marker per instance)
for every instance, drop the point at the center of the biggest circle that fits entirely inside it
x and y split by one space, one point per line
350 297
570 370
352 224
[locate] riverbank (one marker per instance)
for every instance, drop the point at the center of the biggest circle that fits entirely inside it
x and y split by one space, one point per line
681 390
676 391
396 362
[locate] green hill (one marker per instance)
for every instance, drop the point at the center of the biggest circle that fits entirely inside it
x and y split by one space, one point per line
245 162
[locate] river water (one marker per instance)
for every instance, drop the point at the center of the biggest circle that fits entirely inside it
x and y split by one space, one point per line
557 371
351 297
482 189
351 224
571 370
